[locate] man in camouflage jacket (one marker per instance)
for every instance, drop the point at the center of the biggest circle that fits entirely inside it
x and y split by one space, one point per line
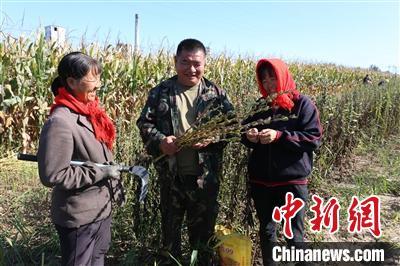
159 125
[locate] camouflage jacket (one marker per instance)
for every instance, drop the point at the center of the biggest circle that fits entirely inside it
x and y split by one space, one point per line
159 118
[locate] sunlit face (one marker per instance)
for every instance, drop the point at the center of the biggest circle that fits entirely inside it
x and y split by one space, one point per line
84 89
268 81
189 66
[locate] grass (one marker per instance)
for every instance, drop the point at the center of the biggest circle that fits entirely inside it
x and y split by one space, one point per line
29 237
378 168
373 169
27 234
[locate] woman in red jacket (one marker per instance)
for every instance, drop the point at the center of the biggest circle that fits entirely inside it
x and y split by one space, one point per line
282 151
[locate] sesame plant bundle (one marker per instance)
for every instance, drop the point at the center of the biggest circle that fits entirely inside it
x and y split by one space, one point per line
214 126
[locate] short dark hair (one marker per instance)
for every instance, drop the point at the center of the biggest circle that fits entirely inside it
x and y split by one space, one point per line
190 45
74 65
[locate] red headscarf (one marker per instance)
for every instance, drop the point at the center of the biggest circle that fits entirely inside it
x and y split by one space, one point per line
104 129
284 82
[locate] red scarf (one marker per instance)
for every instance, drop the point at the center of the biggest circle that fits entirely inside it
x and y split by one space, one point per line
284 82
104 129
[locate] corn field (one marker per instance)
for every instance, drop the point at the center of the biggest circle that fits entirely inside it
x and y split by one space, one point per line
350 112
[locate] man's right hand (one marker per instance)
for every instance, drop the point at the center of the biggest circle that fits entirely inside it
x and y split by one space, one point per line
168 146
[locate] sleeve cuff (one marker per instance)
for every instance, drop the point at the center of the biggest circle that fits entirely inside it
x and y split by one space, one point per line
278 135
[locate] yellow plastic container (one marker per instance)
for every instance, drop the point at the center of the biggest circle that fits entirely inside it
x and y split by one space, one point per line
234 249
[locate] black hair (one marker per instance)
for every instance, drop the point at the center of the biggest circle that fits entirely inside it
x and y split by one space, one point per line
190 45
74 65
265 67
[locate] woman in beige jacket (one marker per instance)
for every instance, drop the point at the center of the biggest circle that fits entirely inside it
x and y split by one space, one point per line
78 129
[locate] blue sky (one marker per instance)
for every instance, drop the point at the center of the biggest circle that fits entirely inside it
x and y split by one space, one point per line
351 33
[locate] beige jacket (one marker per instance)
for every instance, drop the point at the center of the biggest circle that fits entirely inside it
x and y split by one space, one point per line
81 194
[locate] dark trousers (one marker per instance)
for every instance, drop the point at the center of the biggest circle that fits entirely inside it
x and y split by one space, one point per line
201 207
265 200
85 245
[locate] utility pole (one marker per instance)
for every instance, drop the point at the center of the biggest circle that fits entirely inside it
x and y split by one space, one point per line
136 47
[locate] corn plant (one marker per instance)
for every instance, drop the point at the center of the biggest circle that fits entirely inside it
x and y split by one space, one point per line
350 113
